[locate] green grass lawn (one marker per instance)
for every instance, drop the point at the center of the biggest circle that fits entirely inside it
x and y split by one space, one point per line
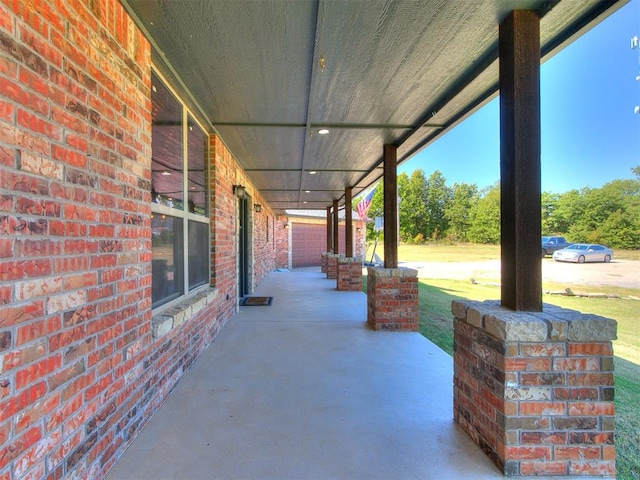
436 252
436 323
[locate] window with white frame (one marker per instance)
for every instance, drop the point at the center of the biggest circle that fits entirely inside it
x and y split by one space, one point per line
180 213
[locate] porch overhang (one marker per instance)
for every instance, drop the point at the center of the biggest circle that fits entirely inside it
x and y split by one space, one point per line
267 76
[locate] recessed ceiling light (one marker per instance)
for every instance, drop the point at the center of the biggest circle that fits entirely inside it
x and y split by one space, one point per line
166 173
312 172
323 131
304 201
307 191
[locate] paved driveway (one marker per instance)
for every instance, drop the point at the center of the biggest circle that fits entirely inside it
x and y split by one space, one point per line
619 273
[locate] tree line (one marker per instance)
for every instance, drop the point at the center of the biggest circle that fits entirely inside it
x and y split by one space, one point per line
430 210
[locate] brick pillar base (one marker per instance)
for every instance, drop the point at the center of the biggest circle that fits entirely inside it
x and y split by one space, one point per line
535 390
323 262
332 265
392 299
349 274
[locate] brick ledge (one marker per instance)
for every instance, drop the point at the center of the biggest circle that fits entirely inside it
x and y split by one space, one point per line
171 318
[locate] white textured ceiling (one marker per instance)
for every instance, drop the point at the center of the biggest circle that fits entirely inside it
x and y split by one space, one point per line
266 74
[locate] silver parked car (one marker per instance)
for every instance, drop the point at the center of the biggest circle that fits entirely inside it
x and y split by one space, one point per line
583 252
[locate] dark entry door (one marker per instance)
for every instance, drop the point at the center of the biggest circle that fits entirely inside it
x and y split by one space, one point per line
243 249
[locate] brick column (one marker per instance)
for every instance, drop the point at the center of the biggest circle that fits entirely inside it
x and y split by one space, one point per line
535 390
323 262
349 274
392 299
332 265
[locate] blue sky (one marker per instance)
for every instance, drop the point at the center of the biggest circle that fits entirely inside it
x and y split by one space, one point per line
590 134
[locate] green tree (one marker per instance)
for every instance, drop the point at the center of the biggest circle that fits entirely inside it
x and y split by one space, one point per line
611 215
430 209
620 230
413 206
437 198
568 207
485 217
549 202
458 211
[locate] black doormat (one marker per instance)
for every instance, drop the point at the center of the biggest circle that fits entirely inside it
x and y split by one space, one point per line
256 301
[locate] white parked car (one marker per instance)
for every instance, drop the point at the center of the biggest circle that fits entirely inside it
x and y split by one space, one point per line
583 252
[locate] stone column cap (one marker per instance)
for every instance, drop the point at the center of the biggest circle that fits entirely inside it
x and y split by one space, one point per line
350 260
553 323
382 272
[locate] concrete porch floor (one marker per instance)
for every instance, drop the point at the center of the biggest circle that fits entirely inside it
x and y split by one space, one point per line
303 389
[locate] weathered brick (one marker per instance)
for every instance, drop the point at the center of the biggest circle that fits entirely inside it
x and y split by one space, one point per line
35 412
543 408
10 406
35 371
38 125
576 364
595 348
528 453
546 438
20 313
593 468
66 301
40 165
25 247
36 330
591 408
575 423
63 376
39 287
66 410
577 453
543 468
591 438
590 379
542 378
576 393
11 451
67 337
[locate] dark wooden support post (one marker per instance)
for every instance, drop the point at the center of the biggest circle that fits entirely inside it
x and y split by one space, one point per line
390 207
519 161
392 292
329 229
336 246
348 223
519 348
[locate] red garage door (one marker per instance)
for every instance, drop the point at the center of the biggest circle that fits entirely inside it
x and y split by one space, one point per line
308 243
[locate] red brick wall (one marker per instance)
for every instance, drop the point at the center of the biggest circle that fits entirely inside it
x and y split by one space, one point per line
223 229
225 173
264 243
84 363
349 274
535 390
283 244
392 299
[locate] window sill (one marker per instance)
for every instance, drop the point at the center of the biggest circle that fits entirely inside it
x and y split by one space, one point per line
171 318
